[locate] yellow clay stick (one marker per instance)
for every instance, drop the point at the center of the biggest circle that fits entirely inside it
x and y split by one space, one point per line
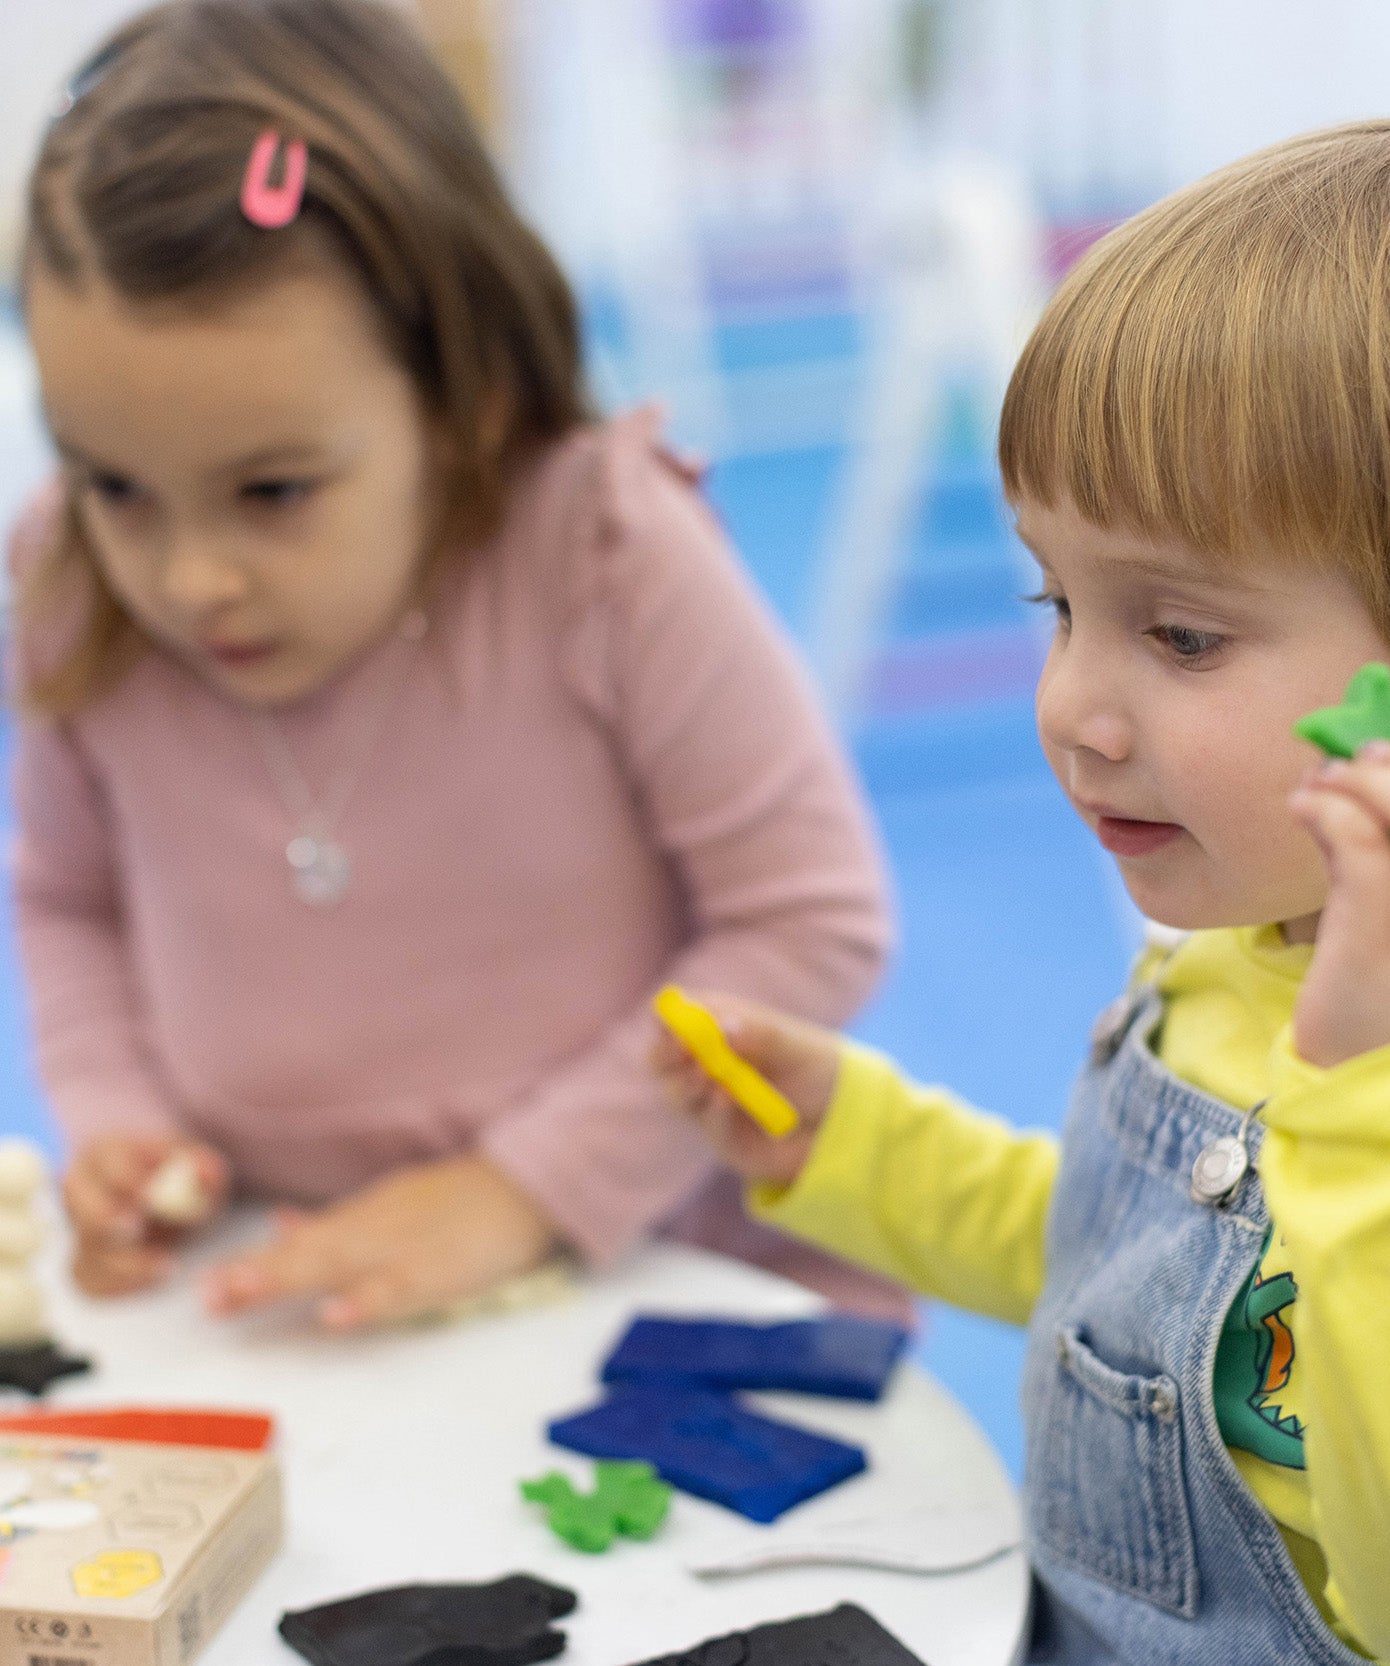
698 1030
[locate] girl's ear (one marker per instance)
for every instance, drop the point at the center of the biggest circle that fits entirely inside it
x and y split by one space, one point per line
490 439
469 469
496 416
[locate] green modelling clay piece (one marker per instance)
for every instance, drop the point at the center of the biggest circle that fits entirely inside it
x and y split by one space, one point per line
1363 715
628 1498
639 1498
580 1520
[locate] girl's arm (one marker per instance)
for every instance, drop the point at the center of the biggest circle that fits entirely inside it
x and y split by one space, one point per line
116 1116
83 1007
83 1001
744 794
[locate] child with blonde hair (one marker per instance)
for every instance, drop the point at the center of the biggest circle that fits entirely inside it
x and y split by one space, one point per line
391 727
1197 445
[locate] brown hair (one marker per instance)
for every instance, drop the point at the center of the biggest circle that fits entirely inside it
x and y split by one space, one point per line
1218 368
138 184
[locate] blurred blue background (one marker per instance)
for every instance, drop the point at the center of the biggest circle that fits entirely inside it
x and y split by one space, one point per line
818 231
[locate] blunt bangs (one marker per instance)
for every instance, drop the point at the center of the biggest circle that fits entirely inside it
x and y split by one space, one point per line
1217 370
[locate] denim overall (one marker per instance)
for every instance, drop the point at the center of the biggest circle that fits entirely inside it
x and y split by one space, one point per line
1147 1546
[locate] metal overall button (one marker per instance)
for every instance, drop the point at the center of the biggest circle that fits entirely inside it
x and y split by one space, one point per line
1163 1399
1221 1164
1109 1029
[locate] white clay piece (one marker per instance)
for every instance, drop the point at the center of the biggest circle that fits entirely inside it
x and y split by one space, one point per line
29 1358
21 1233
176 1195
22 1171
22 1320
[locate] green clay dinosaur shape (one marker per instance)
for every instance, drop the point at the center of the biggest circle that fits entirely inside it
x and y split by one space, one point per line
628 1498
1363 715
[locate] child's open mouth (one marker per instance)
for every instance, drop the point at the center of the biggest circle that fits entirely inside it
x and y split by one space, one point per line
1124 837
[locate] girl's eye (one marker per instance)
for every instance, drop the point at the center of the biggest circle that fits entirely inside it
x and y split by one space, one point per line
276 493
1185 642
112 488
1049 598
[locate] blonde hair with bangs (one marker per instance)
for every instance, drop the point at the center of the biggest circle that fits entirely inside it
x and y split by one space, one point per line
1217 369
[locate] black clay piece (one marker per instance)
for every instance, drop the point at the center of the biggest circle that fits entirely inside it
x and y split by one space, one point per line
32 1369
506 1623
843 1636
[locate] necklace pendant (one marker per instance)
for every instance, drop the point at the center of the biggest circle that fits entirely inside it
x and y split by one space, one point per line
1219 1169
319 868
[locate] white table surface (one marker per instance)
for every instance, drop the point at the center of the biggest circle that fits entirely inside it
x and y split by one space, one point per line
402 1452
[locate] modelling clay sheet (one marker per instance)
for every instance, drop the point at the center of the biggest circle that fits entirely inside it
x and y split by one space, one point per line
710 1445
844 1355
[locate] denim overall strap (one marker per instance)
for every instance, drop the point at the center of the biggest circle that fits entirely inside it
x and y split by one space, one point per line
1147 1546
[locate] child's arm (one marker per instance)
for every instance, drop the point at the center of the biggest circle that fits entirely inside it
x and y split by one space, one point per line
742 793
899 1178
81 985
115 1113
1325 1164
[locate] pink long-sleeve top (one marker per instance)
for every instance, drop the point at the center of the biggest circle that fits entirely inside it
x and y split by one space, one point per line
601 769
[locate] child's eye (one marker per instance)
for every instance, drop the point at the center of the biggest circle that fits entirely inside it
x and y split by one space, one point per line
1060 606
277 493
1185 642
112 488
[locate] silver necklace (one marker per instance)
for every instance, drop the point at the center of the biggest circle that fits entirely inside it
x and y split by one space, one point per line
320 869
1221 1164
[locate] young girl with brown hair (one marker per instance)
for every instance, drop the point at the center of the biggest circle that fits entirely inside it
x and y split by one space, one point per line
391 728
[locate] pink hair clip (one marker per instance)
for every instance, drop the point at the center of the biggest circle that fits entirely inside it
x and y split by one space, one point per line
267 205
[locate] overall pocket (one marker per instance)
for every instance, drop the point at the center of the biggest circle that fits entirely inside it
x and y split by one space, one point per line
1105 1478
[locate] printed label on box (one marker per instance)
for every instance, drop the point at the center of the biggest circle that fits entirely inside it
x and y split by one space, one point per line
119 1553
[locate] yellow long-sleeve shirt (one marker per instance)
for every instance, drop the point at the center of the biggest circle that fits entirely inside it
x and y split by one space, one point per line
912 1182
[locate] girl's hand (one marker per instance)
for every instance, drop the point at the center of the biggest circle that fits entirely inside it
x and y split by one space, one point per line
119 1246
406 1246
799 1060
1343 1007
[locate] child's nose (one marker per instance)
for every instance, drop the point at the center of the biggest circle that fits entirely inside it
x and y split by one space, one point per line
196 576
1079 711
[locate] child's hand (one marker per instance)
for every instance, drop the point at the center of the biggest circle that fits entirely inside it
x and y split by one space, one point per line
119 1246
1343 1007
801 1061
404 1247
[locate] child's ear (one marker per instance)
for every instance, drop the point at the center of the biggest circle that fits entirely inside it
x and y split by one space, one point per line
496 419
493 425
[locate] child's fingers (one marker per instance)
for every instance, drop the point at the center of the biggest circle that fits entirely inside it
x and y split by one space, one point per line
302 1262
1352 829
693 1093
381 1297
98 1212
1365 778
690 1088
1352 958
123 1164
214 1176
800 1059
666 1054
102 1269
